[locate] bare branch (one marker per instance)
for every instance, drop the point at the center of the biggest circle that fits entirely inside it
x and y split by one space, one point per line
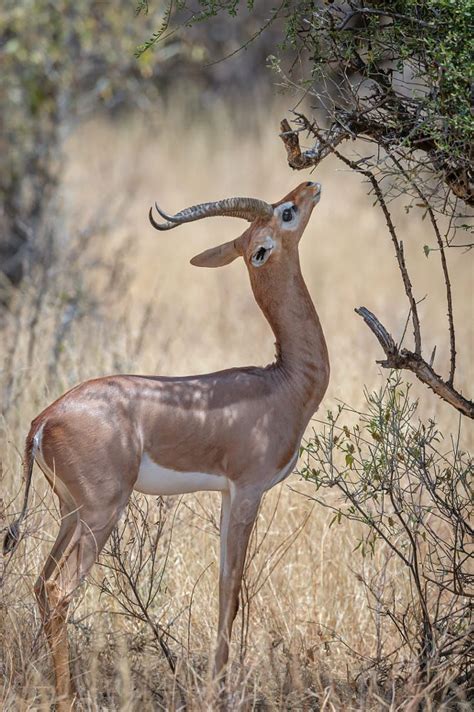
405 359
299 160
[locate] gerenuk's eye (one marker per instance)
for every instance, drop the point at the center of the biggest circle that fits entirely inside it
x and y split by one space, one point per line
287 215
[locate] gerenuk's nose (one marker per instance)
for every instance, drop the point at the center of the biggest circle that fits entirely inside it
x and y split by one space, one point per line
317 186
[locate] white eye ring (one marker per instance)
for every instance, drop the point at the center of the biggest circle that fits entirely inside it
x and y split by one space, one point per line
286 209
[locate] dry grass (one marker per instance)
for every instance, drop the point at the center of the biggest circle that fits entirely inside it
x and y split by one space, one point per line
126 299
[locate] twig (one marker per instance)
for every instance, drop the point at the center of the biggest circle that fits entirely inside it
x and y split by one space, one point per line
444 265
381 13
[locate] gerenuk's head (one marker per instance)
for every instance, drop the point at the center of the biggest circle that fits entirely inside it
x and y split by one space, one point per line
273 235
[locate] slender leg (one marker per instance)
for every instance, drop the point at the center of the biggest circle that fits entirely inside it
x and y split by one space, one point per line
238 514
77 547
224 526
68 535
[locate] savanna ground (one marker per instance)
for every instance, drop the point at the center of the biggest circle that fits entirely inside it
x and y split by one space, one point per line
122 298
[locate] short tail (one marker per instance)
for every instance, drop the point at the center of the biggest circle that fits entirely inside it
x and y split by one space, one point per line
12 536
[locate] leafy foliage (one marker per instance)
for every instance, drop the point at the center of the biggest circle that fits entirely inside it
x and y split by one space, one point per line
398 73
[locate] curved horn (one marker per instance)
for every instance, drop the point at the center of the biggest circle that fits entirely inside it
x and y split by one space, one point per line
245 208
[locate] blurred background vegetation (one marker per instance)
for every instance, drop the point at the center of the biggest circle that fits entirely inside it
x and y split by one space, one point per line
62 62
90 135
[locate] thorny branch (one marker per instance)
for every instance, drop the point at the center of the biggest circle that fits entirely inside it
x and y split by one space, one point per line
395 357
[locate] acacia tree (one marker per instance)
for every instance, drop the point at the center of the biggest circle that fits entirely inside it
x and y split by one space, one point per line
395 74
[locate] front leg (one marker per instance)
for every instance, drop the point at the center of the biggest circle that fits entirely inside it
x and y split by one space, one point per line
239 511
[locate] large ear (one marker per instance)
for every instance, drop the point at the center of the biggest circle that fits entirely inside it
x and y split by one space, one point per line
217 256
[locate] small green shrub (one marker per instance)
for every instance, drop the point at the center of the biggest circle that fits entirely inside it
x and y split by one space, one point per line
411 491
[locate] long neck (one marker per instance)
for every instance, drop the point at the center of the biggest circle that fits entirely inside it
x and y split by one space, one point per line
302 356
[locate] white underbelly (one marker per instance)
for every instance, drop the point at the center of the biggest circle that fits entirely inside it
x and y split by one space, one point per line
155 479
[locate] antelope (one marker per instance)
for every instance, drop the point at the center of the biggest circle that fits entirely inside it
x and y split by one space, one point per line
236 431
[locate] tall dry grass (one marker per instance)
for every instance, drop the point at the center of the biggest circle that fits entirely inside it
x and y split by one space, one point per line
122 298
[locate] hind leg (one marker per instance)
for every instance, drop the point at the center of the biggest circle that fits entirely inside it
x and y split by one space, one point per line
79 542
